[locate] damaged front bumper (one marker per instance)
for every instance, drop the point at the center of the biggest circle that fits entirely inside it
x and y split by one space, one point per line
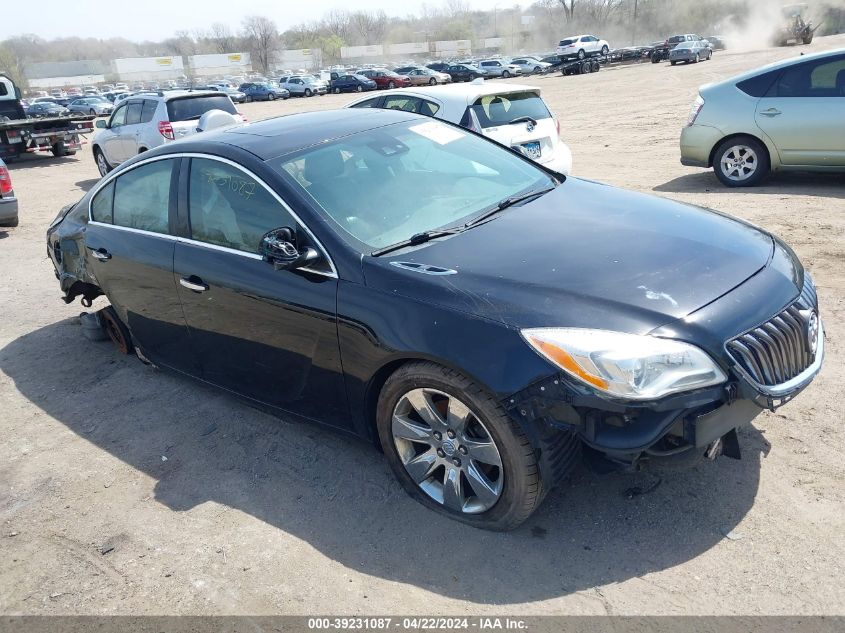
627 432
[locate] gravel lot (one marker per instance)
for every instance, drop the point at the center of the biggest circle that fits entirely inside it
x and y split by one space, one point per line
127 490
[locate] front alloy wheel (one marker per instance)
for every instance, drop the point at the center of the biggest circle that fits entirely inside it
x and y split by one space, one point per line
455 449
447 450
102 164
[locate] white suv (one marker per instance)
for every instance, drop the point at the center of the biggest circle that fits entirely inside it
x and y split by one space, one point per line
142 122
582 46
513 115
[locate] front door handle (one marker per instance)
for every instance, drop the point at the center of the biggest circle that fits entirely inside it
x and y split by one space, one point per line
771 112
193 283
101 254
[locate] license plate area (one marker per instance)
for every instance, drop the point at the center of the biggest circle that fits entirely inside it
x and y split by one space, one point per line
531 150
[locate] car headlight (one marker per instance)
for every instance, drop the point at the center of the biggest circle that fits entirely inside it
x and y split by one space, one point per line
626 365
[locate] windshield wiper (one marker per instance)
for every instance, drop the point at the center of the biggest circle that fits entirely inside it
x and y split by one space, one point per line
507 202
416 238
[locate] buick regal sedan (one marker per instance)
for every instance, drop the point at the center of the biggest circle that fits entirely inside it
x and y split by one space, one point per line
480 331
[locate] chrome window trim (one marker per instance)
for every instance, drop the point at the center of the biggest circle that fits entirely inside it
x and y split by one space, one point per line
105 181
130 229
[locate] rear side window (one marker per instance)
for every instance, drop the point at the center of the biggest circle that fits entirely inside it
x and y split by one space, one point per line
566 42
190 108
142 197
148 110
820 78
228 207
133 113
759 85
101 205
495 110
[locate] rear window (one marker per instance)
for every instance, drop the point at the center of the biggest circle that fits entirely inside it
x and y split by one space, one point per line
189 108
495 110
567 42
677 38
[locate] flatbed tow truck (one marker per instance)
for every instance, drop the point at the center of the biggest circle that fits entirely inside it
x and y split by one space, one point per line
19 135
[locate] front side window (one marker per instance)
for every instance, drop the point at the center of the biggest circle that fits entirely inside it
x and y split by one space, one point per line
119 117
362 181
142 197
101 204
228 207
369 103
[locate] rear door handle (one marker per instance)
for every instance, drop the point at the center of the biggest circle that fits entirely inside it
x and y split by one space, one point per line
193 283
771 112
100 253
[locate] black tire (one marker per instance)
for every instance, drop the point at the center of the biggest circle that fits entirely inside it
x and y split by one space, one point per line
432 82
537 70
102 164
586 67
505 74
60 149
808 39
763 163
248 99
271 97
117 331
596 66
581 54
308 92
697 59
605 50
522 490
673 62
655 58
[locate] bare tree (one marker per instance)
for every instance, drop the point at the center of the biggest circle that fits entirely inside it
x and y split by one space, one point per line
221 37
262 38
568 9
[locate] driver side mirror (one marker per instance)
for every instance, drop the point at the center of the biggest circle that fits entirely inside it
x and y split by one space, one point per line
278 247
101 123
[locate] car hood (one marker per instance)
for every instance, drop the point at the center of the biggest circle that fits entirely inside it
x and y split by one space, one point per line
584 255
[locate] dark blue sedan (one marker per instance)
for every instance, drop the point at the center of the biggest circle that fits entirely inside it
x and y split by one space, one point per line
351 83
263 92
409 282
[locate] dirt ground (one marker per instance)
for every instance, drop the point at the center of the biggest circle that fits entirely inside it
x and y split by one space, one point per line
125 490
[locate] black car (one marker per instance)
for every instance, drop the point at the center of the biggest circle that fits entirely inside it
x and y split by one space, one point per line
43 109
351 83
482 331
464 72
439 66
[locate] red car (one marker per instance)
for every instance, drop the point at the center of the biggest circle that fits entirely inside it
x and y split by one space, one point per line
386 78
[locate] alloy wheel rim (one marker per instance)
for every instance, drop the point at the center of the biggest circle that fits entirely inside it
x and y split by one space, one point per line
447 451
739 163
101 164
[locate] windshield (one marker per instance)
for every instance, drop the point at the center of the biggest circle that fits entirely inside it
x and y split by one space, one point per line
382 186
188 108
502 109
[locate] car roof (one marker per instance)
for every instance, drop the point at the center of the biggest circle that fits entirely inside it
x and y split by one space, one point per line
465 92
778 65
272 138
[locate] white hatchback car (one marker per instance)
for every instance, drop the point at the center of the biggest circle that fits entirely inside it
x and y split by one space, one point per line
144 121
510 114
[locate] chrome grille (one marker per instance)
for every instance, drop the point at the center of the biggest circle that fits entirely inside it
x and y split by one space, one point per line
778 350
